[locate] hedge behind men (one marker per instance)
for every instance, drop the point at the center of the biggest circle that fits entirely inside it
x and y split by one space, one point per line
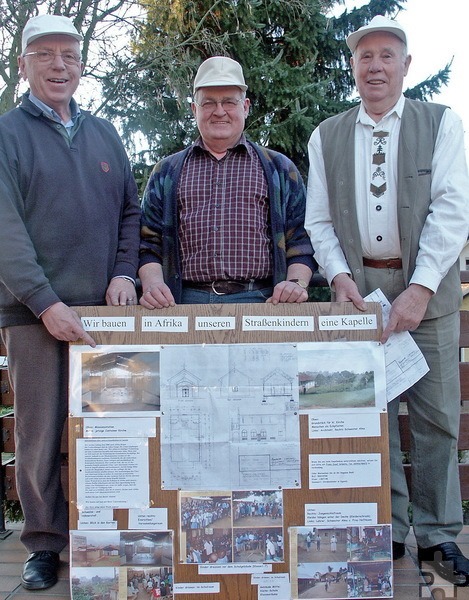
69 236
223 220
388 207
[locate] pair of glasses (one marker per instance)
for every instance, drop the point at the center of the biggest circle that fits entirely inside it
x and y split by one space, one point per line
227 105
47 57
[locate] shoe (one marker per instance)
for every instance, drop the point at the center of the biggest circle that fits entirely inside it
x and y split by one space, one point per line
40 570
448 561
398 550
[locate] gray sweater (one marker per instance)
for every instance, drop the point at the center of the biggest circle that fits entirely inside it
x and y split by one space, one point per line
69 213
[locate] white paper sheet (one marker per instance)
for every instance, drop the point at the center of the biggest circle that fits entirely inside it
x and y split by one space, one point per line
197 588
96 519
116 427
326 425
405 364
229 417
341 514
273 586
330 471
112 473
155 519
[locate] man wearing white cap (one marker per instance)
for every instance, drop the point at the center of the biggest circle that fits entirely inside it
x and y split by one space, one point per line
388 208
69 236
223 220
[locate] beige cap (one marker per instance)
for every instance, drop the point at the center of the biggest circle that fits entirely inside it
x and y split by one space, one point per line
378 23
42 25
219 71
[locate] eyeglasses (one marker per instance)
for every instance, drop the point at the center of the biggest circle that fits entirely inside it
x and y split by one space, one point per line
227 105
47 57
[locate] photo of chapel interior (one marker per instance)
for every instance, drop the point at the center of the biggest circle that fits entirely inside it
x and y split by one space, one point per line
121 382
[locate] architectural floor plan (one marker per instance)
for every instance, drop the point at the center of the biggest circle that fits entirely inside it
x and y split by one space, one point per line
224 427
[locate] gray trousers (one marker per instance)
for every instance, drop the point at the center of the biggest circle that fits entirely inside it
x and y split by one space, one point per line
38 371
434 411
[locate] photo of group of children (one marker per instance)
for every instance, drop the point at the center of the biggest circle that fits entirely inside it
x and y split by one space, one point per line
225 527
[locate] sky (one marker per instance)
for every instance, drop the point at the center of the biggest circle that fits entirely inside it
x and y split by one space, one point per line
436 33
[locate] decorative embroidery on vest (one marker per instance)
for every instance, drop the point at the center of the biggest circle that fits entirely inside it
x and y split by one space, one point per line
379 160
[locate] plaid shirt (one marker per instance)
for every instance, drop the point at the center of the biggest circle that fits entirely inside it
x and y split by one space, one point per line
224 216
286 196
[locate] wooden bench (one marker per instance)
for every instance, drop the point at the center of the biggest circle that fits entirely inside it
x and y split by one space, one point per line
8 436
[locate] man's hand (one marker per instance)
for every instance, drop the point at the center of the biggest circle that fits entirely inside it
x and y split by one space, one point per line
156 294
64 324
287 291
291 291
346 290
407 310
120 292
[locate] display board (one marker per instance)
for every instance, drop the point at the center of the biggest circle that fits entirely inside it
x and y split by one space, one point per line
232 451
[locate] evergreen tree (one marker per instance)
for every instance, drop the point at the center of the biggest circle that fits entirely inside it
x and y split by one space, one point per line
294 56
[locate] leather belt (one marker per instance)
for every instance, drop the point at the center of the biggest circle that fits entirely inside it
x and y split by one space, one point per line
221 287
383 263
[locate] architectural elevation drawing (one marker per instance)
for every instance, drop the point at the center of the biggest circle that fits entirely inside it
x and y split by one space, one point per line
229 416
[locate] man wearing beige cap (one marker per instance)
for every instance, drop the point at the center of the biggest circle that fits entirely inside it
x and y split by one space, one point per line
69 236
388 208
223 219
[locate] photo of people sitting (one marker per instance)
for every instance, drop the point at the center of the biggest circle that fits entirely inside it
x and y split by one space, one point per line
147 584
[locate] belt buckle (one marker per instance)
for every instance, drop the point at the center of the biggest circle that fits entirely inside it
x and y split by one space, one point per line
215 291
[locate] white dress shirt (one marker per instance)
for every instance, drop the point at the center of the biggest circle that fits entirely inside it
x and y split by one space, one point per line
446 228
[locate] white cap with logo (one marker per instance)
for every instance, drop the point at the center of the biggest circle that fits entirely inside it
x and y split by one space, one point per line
42 25
378 23
219 71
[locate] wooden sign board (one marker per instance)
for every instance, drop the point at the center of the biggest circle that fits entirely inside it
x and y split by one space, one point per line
251 324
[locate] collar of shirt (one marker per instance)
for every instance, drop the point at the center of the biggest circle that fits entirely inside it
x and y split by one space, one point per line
364 118
241 144
51 114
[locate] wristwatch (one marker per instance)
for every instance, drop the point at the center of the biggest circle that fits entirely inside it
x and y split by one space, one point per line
301 282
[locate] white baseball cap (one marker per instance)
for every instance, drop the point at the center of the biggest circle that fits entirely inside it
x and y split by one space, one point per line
42 25
378 23
219 71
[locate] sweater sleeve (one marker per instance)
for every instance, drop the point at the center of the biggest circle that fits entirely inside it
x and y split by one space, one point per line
297 242
128 245
28 284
